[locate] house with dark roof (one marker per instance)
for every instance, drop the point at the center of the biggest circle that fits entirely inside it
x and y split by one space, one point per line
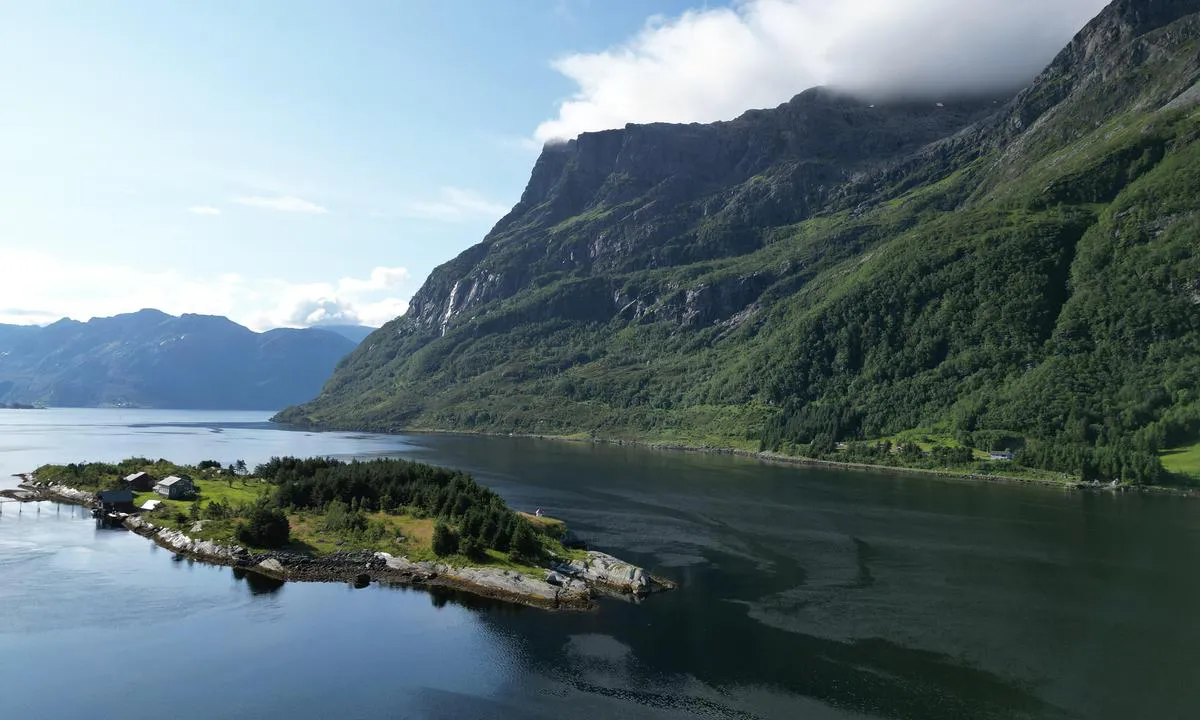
176 487
115 501
140 482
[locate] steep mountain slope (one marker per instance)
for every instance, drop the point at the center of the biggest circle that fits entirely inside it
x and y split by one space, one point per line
151 359
1018 273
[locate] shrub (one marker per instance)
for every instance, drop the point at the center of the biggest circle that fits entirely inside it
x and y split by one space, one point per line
340 518
502 538
953 455
524 542
265 527
445 541
472 547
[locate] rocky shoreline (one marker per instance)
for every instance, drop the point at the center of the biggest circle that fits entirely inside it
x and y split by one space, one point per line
569 585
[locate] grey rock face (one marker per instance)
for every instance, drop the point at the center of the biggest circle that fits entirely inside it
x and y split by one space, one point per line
610 573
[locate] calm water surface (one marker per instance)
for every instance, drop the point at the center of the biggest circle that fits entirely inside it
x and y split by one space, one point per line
804 594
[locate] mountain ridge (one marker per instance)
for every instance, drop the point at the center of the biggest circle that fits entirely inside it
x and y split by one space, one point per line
835 270
151 359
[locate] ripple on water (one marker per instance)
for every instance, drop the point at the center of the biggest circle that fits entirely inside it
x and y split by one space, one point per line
597 647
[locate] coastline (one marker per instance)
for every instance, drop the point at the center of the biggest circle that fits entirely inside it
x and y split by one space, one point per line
1071 484
576 584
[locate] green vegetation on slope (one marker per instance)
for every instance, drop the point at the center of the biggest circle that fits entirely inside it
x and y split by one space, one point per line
1030 284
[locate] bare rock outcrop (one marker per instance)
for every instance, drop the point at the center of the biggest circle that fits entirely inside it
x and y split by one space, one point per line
608 573
179 542
496 582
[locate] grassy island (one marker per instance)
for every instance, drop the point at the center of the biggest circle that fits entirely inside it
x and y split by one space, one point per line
321 506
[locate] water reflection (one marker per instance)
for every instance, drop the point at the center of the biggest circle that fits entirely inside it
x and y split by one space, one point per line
677 666
257 583
441 597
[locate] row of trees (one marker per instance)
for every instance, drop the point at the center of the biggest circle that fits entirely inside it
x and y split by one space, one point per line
1107 462
517 537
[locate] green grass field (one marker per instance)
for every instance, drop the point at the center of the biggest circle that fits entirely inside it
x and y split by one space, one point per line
1185 460
227 491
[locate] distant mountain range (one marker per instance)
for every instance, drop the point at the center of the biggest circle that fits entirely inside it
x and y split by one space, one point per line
154 360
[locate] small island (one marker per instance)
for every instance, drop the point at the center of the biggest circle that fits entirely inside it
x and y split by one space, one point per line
322 519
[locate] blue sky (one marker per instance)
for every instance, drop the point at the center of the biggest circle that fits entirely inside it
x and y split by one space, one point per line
291 163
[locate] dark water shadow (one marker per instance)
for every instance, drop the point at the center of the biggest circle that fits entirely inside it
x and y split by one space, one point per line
441 596
676 635
257 583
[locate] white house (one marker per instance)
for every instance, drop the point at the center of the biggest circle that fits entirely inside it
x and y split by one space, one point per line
176 487
1000 455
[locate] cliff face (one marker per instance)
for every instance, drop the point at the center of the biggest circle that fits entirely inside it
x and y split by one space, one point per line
835 268
651 196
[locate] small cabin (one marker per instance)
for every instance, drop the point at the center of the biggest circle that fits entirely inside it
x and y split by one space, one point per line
176 487
111 501
140 482
1004 455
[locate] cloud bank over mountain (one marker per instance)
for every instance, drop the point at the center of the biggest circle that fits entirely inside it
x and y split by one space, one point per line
713 64
257 302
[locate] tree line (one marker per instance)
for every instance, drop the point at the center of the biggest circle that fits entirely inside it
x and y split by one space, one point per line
471 518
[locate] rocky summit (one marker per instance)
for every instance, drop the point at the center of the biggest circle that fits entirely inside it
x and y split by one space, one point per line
841 269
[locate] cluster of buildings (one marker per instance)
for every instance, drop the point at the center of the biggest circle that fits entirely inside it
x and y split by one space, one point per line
174 487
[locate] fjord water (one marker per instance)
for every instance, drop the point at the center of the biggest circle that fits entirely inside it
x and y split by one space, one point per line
804 593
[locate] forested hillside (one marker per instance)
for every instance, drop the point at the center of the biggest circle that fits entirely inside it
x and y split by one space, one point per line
988 272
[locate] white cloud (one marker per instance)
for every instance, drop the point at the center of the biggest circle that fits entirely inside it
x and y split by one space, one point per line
25 316
708 65
323 311
381 278
204 210
284 203
454 204
85 291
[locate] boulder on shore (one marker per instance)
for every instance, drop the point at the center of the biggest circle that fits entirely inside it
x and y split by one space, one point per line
272 567
609 573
